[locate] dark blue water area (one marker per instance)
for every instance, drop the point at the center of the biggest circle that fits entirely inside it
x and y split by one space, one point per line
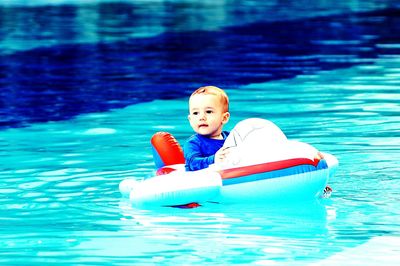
58 82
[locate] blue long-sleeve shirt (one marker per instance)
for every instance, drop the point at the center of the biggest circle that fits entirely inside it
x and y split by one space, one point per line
200 151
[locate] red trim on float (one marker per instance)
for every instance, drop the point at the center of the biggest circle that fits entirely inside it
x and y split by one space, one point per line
168 148
187 206
165 170
266 167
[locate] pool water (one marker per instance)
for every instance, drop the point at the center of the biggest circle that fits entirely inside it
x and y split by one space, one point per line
79 105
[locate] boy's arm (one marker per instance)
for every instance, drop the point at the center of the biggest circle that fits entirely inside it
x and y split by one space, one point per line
194 159
197 163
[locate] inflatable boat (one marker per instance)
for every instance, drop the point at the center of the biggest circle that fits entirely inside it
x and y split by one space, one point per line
264 166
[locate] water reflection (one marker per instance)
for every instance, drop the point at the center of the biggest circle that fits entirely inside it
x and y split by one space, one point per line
256 233
25 25
75 75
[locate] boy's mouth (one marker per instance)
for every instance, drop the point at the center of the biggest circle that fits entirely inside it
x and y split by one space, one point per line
203 125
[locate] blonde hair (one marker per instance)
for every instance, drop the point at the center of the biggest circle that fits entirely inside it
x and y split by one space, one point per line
212 90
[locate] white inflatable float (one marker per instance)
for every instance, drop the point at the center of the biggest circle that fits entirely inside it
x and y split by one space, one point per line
264 166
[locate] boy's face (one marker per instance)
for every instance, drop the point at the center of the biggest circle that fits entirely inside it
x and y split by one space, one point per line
206 115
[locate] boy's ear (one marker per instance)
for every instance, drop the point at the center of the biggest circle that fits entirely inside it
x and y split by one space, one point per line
225 118
189 117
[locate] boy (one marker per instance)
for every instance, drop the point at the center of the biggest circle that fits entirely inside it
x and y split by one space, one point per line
208 113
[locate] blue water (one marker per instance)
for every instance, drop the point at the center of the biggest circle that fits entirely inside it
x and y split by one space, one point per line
84 85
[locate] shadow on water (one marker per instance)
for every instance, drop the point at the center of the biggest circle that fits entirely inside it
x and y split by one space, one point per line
60 81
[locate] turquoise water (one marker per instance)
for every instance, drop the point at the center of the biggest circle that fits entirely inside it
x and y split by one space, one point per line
59 182
59 199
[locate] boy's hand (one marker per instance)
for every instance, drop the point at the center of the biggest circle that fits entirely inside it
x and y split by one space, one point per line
221 154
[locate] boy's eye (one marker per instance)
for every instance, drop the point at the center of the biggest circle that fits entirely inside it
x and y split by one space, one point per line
195 113
209 112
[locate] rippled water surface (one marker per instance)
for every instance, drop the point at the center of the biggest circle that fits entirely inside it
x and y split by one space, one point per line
83 86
